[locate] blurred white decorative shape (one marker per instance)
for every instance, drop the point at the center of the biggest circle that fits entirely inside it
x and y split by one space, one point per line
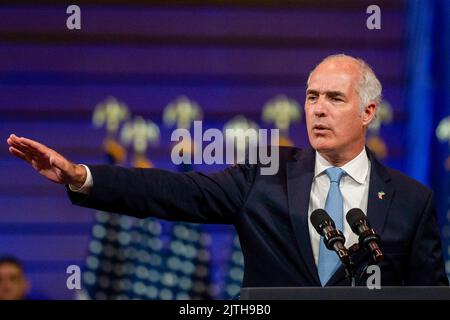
110 113
443 130
182 112
281 111
139 132
383 116
240 122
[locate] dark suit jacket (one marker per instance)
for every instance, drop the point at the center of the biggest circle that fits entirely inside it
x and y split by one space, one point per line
270 213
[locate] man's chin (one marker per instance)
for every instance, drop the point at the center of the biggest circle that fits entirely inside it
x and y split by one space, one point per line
323 146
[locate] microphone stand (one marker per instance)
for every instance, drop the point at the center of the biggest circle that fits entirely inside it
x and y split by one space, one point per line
373 261
350 272
350 268
343 254
363 272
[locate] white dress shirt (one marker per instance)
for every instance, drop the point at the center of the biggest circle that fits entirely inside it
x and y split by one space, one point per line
354 186
88 183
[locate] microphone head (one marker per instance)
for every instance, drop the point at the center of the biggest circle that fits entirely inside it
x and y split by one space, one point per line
318 219
354 217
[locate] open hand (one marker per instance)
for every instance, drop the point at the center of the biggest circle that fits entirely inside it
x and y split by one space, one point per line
46 161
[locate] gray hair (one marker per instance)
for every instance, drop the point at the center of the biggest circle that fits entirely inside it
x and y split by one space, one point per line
369 87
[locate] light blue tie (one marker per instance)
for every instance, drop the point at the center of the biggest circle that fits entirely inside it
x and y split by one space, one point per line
334 206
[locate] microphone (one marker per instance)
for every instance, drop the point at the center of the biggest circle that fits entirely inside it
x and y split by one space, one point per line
368 238
333 238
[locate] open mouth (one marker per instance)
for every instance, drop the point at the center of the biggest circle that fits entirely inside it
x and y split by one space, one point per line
320 128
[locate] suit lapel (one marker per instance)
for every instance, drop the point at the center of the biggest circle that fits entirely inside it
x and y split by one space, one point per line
300 173
381 192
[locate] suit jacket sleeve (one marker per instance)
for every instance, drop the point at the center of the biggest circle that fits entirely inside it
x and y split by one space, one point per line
426 265
190 197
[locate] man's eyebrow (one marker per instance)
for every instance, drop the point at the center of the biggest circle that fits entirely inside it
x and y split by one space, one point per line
335 93
312 91
328 93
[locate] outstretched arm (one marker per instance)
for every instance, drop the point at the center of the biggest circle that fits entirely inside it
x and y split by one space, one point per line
192 197
46 161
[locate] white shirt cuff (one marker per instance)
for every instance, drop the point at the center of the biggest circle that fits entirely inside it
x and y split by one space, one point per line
88 184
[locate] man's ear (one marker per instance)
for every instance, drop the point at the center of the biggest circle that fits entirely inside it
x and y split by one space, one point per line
369 113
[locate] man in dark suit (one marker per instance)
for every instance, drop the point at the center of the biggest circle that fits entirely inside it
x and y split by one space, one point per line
271 212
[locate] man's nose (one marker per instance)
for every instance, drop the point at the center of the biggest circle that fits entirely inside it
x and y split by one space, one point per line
320 107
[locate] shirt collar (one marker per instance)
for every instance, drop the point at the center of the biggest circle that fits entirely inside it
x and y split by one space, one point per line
357 168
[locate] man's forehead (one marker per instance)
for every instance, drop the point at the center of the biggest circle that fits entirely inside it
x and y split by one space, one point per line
331 81
338 68
340 63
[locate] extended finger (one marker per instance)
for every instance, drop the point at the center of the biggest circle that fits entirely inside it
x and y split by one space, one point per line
22 148
14 139
34 145
19 154
16 144
35 149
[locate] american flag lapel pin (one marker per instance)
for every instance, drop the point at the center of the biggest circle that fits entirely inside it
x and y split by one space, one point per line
381 195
